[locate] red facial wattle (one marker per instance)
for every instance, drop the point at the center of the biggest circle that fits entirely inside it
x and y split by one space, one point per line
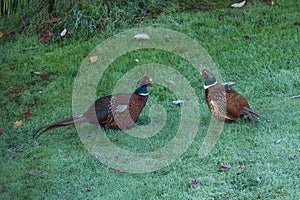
147 82
203 73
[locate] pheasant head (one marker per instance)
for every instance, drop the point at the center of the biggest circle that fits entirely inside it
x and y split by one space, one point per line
142 85
209 79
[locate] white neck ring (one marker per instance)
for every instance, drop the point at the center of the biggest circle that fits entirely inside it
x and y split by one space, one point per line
208 86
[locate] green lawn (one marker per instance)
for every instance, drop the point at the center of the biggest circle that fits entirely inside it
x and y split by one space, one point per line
263 159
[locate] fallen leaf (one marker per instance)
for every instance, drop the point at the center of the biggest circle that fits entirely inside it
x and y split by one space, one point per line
278 141
235 38
45 33
119 170
18 123
63 33
1 34
249 37
45 39
93 59
225 166
11 150
34 173
226 198
178 102
35 143
42 75
272 3
51 21
26 114
36 73
238 5
293 157
171 82
97 155
141 36
2 130
194 182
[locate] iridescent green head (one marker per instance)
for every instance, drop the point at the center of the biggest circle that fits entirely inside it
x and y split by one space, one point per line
142 85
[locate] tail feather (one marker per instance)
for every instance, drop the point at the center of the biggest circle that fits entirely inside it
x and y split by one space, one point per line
248 111
63 122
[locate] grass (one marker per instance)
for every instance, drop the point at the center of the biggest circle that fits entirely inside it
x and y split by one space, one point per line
266 71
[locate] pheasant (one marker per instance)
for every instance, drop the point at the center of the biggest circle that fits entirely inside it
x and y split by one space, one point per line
225 103
117 111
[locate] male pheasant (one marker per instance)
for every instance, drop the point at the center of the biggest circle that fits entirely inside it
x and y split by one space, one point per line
225 103
117 111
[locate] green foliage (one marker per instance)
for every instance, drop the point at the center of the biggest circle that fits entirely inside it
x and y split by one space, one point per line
9 7
83 18
207 5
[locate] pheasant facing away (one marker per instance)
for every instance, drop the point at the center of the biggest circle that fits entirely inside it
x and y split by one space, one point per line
117 111
225 103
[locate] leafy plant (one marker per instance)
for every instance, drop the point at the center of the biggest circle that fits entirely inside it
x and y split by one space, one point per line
10 7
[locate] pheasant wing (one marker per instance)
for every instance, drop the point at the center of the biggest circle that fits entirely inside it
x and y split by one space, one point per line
219 103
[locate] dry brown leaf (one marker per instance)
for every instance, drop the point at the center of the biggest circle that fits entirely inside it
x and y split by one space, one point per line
2 130
93 59
18 123
26 114
1 34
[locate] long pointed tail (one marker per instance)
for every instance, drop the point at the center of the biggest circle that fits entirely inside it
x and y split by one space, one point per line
63 122
251 113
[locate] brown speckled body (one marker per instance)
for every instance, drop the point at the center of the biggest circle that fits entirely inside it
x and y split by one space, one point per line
119 111
225 103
